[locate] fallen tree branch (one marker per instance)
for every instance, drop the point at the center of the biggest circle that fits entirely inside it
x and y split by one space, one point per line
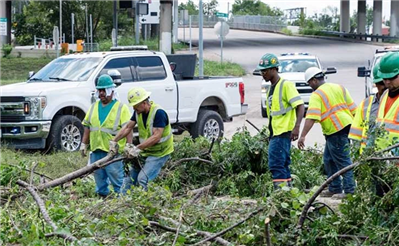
219 240
335 175
80 172
43 210
231 227
178 162
32 172
253 125
388 158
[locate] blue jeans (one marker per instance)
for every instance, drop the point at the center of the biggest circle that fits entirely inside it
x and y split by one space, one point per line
151 169
112 173
279 158
336 156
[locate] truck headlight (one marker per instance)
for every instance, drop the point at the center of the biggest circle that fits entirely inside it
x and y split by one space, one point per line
34 107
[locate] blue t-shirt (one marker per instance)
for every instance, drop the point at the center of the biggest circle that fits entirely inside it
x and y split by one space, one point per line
103 111
161 119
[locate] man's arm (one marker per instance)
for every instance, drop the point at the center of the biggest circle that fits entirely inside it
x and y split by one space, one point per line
300 111
154 139
86 135
308 125
125 132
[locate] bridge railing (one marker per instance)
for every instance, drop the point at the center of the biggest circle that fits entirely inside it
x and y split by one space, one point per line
361 36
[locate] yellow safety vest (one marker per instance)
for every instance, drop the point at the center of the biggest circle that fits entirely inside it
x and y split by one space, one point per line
165 145
285 99
101 134
390 121
360 124
332 106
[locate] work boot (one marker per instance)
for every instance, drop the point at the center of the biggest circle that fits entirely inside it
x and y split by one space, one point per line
289 184
327 193
277 186
340 196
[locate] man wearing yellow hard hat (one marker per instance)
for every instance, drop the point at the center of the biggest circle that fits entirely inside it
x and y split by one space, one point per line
155 135
103 120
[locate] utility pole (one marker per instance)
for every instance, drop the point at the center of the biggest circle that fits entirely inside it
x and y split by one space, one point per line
91 33
200 41
87 27
136 17
165 40
116 20
73 27
61 21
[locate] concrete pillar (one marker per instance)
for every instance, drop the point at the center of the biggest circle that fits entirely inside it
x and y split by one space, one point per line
394 29
361 16
377 17
5 12
175 21
345 23
165 39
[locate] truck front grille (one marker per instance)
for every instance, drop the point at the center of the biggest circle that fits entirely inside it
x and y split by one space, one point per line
12 109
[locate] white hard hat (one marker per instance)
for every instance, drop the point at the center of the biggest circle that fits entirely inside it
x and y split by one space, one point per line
312 72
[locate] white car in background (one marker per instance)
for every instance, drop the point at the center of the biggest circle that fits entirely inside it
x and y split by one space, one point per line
292 68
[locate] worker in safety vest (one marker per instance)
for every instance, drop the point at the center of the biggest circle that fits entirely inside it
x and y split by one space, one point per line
285 110
363 124
102 122
332 106
388 113
155 135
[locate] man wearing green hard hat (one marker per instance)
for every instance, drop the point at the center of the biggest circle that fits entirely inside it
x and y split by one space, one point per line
155 136
285 110
102 121
366 114
388 113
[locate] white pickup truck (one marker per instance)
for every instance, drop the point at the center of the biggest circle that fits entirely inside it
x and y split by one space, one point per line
47 110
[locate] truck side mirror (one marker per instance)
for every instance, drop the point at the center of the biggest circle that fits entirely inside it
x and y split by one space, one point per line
30 74
330 70
363 72
116 76
257 72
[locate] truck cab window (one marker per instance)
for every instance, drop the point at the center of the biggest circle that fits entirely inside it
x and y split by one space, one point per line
150 68
123 65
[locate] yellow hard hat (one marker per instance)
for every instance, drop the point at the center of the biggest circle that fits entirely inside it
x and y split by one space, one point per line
137 95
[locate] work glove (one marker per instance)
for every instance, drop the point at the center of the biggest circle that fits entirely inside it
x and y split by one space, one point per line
131 151
113 147
83 149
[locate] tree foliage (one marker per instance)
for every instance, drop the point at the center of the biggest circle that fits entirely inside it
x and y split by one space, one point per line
190 6
254 7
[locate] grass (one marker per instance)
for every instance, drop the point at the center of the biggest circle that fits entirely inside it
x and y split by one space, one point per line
16 69
213 68
53 165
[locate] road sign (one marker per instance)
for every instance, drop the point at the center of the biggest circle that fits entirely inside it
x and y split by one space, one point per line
3 26
221 29
218 14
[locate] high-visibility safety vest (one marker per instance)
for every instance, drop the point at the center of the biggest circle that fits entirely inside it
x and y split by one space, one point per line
165 145
285 99
101 134
360 125
390 121
332 106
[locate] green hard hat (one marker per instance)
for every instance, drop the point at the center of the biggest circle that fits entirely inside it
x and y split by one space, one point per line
376 78
389 65
105 81
268 61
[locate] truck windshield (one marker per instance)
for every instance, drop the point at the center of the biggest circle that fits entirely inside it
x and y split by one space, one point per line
67 69
296 65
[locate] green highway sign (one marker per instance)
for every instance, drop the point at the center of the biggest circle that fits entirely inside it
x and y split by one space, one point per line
218 14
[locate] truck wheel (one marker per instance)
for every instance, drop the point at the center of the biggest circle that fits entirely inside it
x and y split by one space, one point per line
66 133
209 124
264 113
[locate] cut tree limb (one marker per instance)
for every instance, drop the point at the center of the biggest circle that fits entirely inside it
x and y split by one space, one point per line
174 164
80 172
231 227
43 210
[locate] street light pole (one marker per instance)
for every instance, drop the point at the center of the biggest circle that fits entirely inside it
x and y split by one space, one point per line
60 21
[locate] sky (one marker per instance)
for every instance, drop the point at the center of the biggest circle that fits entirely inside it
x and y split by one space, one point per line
312 6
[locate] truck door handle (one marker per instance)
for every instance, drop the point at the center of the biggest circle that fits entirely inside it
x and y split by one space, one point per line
168 89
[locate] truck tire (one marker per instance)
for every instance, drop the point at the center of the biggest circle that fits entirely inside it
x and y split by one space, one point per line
66 133
209 124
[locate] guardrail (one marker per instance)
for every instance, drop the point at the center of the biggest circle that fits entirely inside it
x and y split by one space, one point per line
361 36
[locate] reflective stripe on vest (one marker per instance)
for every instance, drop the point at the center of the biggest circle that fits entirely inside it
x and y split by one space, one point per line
280 101
113 131
330 109
151 124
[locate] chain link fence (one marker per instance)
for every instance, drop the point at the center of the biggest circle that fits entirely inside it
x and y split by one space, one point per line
247 22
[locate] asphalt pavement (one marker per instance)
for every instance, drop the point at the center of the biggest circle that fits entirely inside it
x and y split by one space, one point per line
247 47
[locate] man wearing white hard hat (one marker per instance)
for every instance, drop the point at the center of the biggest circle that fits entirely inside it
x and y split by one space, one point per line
155 135
332 106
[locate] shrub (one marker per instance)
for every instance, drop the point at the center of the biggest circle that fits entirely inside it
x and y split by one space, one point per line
7 48
286 31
